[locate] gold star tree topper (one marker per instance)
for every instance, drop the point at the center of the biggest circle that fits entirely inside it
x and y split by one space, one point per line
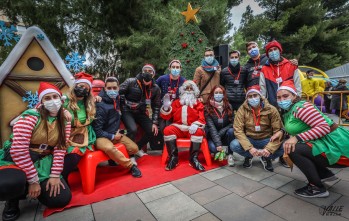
190 14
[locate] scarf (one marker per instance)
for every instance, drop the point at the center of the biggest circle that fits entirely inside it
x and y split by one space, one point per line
235 69
218 105
210 68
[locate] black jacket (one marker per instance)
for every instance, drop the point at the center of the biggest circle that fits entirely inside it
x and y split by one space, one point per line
108 116
235 92
217 130
131 91
253 77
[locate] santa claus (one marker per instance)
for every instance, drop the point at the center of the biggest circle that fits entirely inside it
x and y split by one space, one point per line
188 119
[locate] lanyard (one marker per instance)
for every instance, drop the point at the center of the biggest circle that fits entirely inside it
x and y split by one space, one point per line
235 78
257 119
259 62
174 89
278 71
145 88
219 117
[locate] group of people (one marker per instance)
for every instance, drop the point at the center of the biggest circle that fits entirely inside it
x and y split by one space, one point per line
254 110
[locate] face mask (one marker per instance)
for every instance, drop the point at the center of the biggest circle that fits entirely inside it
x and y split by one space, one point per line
147 76
81 92
285 104
209 59
254 52
234 61
53 106
175 72
254 102
112 93
218 97
274 55
310 77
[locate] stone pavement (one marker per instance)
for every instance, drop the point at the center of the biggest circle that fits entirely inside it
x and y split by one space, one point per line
226 193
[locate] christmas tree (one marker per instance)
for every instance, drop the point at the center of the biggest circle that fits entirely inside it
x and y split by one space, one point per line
189 43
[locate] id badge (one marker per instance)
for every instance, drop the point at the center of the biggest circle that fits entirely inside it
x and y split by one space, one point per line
257 128
147 101
236 81
173 96
220 121
255 72
278 80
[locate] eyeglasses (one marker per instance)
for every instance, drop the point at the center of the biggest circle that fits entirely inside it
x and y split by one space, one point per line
252 95
190 88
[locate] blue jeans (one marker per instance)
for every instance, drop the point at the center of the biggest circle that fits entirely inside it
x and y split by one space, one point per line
226 139
235 146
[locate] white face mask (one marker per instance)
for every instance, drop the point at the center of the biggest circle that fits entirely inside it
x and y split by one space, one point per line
53 106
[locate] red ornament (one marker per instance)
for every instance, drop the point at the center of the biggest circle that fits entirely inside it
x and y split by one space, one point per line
181 34
200 40
193 33
192 49
188 61
184 45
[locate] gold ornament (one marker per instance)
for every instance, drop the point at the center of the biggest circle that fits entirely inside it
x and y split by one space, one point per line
190 14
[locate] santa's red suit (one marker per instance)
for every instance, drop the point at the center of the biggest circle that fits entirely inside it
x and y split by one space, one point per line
183 117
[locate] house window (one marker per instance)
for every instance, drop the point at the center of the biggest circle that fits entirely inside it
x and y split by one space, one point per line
35 63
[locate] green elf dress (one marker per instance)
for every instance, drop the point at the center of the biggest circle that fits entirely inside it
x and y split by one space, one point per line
334 145
82 136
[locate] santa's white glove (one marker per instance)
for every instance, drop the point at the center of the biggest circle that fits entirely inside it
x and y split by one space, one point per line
193 128
166 102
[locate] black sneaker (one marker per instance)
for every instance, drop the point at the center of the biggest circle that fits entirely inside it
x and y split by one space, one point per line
135 172
11 211
267 164
248 162
312 191
283 162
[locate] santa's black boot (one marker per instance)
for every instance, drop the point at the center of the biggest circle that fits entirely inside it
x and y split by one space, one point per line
194 152
172 151
11 211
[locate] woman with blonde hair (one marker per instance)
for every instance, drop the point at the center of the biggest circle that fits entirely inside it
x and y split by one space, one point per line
80 103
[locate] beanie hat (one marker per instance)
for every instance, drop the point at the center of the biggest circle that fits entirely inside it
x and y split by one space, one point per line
169 65
149 66
254 88
46 88
289 86
83 77
273 44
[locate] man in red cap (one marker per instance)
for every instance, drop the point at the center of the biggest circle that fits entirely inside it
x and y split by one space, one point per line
275 71
255 123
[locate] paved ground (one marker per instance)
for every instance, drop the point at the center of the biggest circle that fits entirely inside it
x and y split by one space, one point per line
226 193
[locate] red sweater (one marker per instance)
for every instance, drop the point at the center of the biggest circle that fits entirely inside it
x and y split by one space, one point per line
22 132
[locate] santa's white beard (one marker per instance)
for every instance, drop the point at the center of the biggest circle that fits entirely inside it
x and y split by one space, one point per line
188 98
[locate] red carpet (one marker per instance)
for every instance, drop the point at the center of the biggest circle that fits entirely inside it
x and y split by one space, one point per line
116 181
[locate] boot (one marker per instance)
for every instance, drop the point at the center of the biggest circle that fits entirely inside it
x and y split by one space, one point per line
11 211
172 151
194 152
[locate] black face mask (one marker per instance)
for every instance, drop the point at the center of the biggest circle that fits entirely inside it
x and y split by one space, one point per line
147 77
81 92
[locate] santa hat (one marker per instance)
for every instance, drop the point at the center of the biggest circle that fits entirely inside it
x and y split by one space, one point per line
254 88
189 83
46 88
289 86
273 44
169 65
149 66
83 77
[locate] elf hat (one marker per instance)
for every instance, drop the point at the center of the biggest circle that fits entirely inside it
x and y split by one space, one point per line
46 88
289 86
149 66
254 88
273 44
83 77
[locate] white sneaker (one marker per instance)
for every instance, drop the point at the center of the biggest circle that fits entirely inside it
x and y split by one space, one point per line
133 160
231 161
140 153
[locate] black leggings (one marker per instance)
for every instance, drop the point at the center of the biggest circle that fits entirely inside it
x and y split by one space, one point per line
71 162
13 186
313 167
